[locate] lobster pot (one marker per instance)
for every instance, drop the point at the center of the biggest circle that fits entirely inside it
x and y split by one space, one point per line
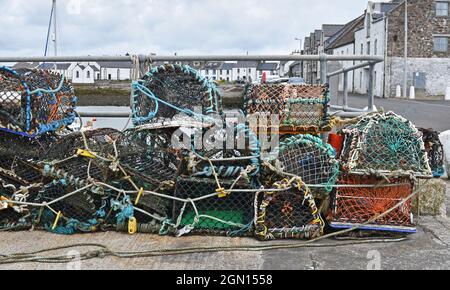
387 144
308 157
300 108
12 178
149 158
169 90
227 215
34 102
354 206
231 151
288 214
71 214
435 151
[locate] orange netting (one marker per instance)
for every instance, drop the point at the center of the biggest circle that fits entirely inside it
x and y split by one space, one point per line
357 205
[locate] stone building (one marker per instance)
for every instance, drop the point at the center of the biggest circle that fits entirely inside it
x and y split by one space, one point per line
381 32
428 62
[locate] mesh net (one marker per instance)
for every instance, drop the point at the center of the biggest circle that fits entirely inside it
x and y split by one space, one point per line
435 151
308 157
232 151
386 144
358 205
35 101
229 215
148 157
289 213
169 90
301 108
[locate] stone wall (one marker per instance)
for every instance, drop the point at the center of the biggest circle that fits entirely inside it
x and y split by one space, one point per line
422 25
436 71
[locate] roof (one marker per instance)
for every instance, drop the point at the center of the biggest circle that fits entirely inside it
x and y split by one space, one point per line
26 65
246 64
115 64
331 29
268 66
317 34
346 35
46 66
51 66
227 66
212 65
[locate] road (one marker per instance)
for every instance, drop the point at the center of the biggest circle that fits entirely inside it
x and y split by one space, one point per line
426 114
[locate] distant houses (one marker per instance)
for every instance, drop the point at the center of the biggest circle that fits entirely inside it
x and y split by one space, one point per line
85 73
89 73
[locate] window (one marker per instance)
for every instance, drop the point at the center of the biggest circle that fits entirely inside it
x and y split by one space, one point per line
441 8
88 74
238 70
249 70
109 77
375 47
368 48
214 71
441 44
78 74
362 48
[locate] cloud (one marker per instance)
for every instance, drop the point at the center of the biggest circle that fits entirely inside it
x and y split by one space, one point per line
111 27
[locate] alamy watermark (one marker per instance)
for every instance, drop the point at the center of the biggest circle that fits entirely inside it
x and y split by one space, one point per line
374 258
74 7
75 263
236 132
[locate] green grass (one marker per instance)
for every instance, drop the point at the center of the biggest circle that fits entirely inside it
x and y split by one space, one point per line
92 91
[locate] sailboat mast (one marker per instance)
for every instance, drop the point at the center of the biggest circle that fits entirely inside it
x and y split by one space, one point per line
55 29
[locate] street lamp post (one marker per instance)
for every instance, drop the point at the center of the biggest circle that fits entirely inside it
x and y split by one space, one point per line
405 77
301 44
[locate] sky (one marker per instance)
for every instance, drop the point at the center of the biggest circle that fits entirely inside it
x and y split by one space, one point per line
116 27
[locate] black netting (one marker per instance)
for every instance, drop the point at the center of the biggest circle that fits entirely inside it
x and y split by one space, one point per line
230 215
435 151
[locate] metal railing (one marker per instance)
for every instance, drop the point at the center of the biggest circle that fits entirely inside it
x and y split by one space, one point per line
323 60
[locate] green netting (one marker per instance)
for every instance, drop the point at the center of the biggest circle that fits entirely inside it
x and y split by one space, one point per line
386 144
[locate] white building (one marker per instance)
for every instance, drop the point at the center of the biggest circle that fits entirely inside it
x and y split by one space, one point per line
370 39
210 70
343 43
269 68
115 71
365 35
245 71
84 74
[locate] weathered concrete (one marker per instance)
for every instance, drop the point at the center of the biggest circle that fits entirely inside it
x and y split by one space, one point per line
428 249
433 199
